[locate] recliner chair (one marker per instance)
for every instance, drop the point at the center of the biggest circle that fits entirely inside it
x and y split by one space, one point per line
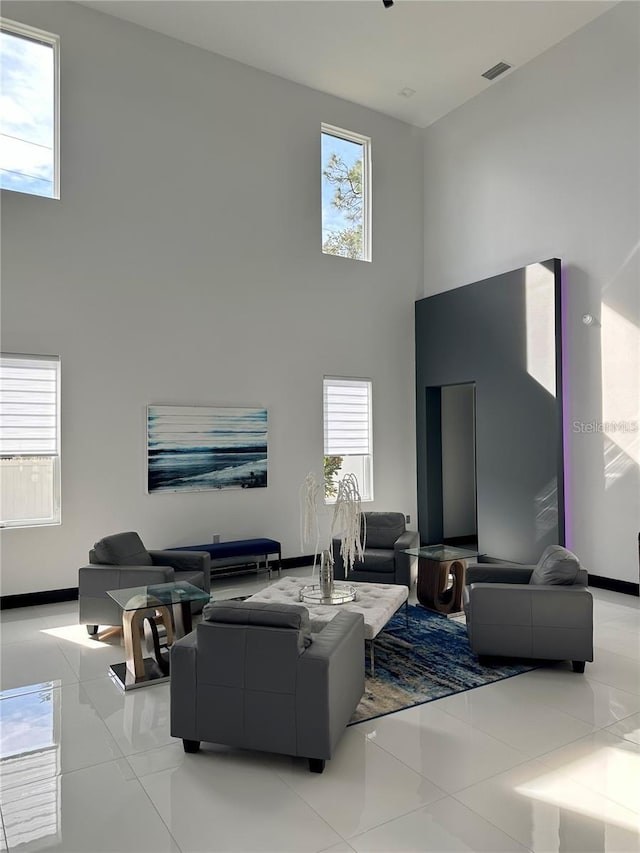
252 675
120 561
386 537
542 611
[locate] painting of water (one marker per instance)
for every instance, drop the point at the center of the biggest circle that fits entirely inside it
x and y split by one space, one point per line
198 448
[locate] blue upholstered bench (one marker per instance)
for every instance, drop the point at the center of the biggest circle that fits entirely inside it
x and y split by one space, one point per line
238 553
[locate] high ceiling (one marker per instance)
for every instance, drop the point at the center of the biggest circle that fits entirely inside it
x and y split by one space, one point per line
360 51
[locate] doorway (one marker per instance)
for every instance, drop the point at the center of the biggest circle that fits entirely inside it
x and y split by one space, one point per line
451 463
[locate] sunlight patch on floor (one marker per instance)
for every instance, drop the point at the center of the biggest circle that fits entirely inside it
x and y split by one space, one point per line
76 634
619 769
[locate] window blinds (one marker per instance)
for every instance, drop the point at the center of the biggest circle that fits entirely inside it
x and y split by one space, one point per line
347 417
29 389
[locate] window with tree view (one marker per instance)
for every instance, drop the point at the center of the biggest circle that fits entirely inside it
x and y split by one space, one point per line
346 192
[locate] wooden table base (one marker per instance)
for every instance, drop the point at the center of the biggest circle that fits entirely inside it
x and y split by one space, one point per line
133 626
433 588
147 658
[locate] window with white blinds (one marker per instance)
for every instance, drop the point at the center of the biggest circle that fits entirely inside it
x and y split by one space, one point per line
29 440
348 446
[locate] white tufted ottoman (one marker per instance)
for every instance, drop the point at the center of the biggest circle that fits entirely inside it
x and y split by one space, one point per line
376 601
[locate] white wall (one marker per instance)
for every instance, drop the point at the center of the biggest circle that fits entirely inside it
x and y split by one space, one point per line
458 461
182 265
546 163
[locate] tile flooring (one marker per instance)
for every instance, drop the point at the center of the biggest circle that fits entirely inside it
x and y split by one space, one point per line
546 761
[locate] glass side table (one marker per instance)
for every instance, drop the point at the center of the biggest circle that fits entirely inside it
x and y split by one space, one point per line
151 611
441 572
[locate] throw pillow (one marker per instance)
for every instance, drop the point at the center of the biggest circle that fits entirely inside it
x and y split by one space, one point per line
556 566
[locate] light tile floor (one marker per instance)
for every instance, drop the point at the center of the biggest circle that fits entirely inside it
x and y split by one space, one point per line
546 761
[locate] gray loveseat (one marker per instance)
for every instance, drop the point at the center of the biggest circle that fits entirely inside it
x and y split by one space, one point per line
252 675
543 611
386 537
121 561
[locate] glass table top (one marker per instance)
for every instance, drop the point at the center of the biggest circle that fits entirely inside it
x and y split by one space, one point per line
441 553
142 597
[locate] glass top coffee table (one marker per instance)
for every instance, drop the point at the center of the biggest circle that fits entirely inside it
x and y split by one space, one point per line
160 612
441 571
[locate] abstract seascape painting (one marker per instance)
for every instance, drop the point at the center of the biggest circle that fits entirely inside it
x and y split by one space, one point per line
197 448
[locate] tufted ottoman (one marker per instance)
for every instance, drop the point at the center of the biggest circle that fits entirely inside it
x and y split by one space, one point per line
376 601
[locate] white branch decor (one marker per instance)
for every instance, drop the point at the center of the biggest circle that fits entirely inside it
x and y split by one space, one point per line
345 525
309 524
347 521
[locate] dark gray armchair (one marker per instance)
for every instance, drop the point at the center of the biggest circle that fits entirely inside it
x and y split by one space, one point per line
386 537
543 611
252 675
121 561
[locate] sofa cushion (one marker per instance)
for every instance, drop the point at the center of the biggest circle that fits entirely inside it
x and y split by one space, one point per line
383 528
262 614
556 566
122 549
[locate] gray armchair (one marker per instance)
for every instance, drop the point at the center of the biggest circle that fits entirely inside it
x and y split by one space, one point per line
542 611
252 675
121 561
386 537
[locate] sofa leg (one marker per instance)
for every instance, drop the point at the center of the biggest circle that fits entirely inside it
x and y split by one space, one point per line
190 745
316 765
92 630
578 665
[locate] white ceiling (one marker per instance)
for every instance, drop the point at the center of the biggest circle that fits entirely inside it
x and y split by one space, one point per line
360 51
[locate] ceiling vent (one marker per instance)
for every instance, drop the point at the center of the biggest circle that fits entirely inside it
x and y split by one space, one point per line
496 71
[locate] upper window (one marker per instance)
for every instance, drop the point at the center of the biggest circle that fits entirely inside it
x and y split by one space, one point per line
28 110
348 446
29 440
346 193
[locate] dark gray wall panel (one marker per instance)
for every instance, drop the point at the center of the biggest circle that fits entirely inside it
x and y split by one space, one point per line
478 333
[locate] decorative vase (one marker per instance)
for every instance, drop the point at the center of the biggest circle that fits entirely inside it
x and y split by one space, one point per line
327 591
326 574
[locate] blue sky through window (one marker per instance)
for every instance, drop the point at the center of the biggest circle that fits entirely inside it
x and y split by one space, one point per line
334 220
27 721
26 115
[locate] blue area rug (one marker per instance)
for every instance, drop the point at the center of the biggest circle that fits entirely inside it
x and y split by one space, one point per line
425 661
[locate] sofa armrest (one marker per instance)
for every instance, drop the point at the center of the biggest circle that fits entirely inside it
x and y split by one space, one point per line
184 687
327 643
183 561
406 565
95 607
96 579
330 684
526 604
186 561
409 539
494 573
